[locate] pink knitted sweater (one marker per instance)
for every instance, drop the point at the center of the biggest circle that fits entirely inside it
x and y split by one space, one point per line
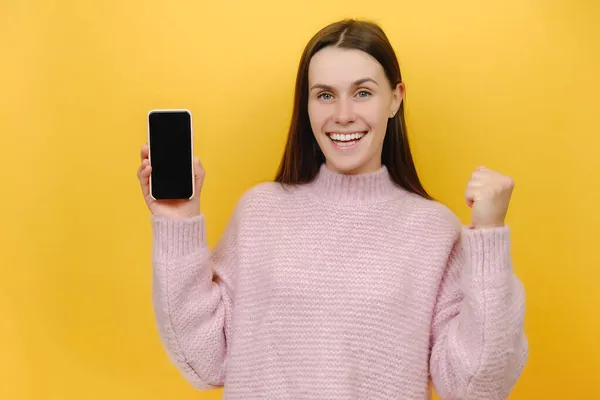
344 288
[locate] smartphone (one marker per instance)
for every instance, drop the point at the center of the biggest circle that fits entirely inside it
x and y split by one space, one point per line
171 143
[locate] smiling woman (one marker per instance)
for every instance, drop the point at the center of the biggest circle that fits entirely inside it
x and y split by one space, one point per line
342 279
349 108
349 114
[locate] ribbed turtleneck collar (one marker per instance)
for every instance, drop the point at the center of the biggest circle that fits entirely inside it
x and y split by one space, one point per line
360 188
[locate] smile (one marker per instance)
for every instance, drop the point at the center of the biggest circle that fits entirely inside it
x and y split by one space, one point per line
346 139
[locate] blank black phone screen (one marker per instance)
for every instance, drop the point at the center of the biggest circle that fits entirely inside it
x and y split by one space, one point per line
170 143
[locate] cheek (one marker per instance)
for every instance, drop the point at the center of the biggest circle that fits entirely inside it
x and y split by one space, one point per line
375 115
317 115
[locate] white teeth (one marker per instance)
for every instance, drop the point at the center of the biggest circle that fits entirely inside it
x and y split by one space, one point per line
345 137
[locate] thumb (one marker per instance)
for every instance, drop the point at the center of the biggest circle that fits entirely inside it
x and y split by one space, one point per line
198 172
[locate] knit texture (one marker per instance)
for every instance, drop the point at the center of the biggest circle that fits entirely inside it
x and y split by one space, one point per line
347 287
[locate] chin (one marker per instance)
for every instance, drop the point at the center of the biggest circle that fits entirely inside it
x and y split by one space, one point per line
346 166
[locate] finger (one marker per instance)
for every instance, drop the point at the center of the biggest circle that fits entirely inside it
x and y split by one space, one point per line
472 195
143 165
145 180
198 163
144 152
475 184
198 169
469 198
483 177
198 176
479 174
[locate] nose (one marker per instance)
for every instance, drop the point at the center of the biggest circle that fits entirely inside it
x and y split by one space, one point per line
344 112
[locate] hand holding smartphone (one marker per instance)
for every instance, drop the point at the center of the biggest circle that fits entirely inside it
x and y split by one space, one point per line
170 177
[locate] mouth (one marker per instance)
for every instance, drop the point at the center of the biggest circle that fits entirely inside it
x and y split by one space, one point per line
346 140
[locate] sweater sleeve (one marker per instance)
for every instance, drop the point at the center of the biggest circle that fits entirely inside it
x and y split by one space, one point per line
479 347
192 296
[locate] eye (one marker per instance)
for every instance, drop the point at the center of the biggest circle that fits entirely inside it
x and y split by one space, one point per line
363 94
325 96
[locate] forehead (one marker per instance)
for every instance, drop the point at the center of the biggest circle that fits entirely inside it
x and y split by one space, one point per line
337 66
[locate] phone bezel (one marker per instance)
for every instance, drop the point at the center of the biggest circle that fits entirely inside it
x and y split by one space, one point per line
172 110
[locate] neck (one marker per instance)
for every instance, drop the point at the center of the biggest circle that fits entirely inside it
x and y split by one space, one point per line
356 188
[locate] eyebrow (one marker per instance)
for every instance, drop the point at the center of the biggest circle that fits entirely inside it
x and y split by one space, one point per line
356 83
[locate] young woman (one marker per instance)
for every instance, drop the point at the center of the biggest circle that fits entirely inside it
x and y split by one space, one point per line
342 279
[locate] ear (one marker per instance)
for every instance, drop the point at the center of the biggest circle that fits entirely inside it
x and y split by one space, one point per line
397 98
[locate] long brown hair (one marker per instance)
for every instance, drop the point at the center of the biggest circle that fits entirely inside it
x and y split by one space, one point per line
303 157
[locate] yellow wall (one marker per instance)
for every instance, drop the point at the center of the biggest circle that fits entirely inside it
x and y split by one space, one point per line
510 84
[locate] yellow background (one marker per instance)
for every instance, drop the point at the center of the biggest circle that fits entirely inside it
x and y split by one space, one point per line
510 84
